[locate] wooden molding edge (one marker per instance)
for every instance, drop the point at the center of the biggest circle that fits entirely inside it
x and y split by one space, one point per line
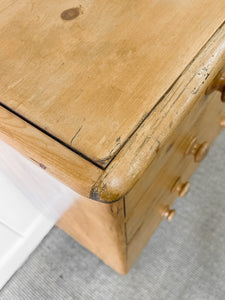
67 166
142 148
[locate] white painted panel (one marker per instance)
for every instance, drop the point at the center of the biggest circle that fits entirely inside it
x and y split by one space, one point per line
14 249
48 195
8 238
16 211
30 204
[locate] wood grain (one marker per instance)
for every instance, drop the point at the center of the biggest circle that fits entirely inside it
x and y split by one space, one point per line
118 232
110 64
144 147
62 163
104 77
154 191
99 227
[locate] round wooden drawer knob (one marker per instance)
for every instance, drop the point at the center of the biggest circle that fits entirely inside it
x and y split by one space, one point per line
218 84
198 150
181 188
169 213
222 122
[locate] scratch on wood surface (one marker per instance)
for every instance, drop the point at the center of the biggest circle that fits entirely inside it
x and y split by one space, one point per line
204 74
38 163
104 161
146 140
75 135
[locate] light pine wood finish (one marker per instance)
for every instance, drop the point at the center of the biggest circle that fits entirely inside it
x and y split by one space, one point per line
76 172
118 232
115 59
160 158
107 98
150 196
100 227
142 149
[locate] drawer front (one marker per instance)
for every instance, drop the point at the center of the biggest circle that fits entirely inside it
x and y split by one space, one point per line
179 139
158 188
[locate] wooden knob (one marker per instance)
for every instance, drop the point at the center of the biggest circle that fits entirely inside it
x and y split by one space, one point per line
218 84
198 150
222 122
181 188
169 213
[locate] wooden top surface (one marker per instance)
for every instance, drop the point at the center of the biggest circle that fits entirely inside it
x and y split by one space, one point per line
90 81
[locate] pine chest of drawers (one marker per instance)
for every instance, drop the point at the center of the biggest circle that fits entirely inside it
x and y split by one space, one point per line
120 101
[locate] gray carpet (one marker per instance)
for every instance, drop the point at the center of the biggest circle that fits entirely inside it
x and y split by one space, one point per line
185 259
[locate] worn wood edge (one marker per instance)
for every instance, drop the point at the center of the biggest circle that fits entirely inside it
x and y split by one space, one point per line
72 38
68 167
142 148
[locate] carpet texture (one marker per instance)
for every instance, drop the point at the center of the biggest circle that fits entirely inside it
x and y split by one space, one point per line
185 259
